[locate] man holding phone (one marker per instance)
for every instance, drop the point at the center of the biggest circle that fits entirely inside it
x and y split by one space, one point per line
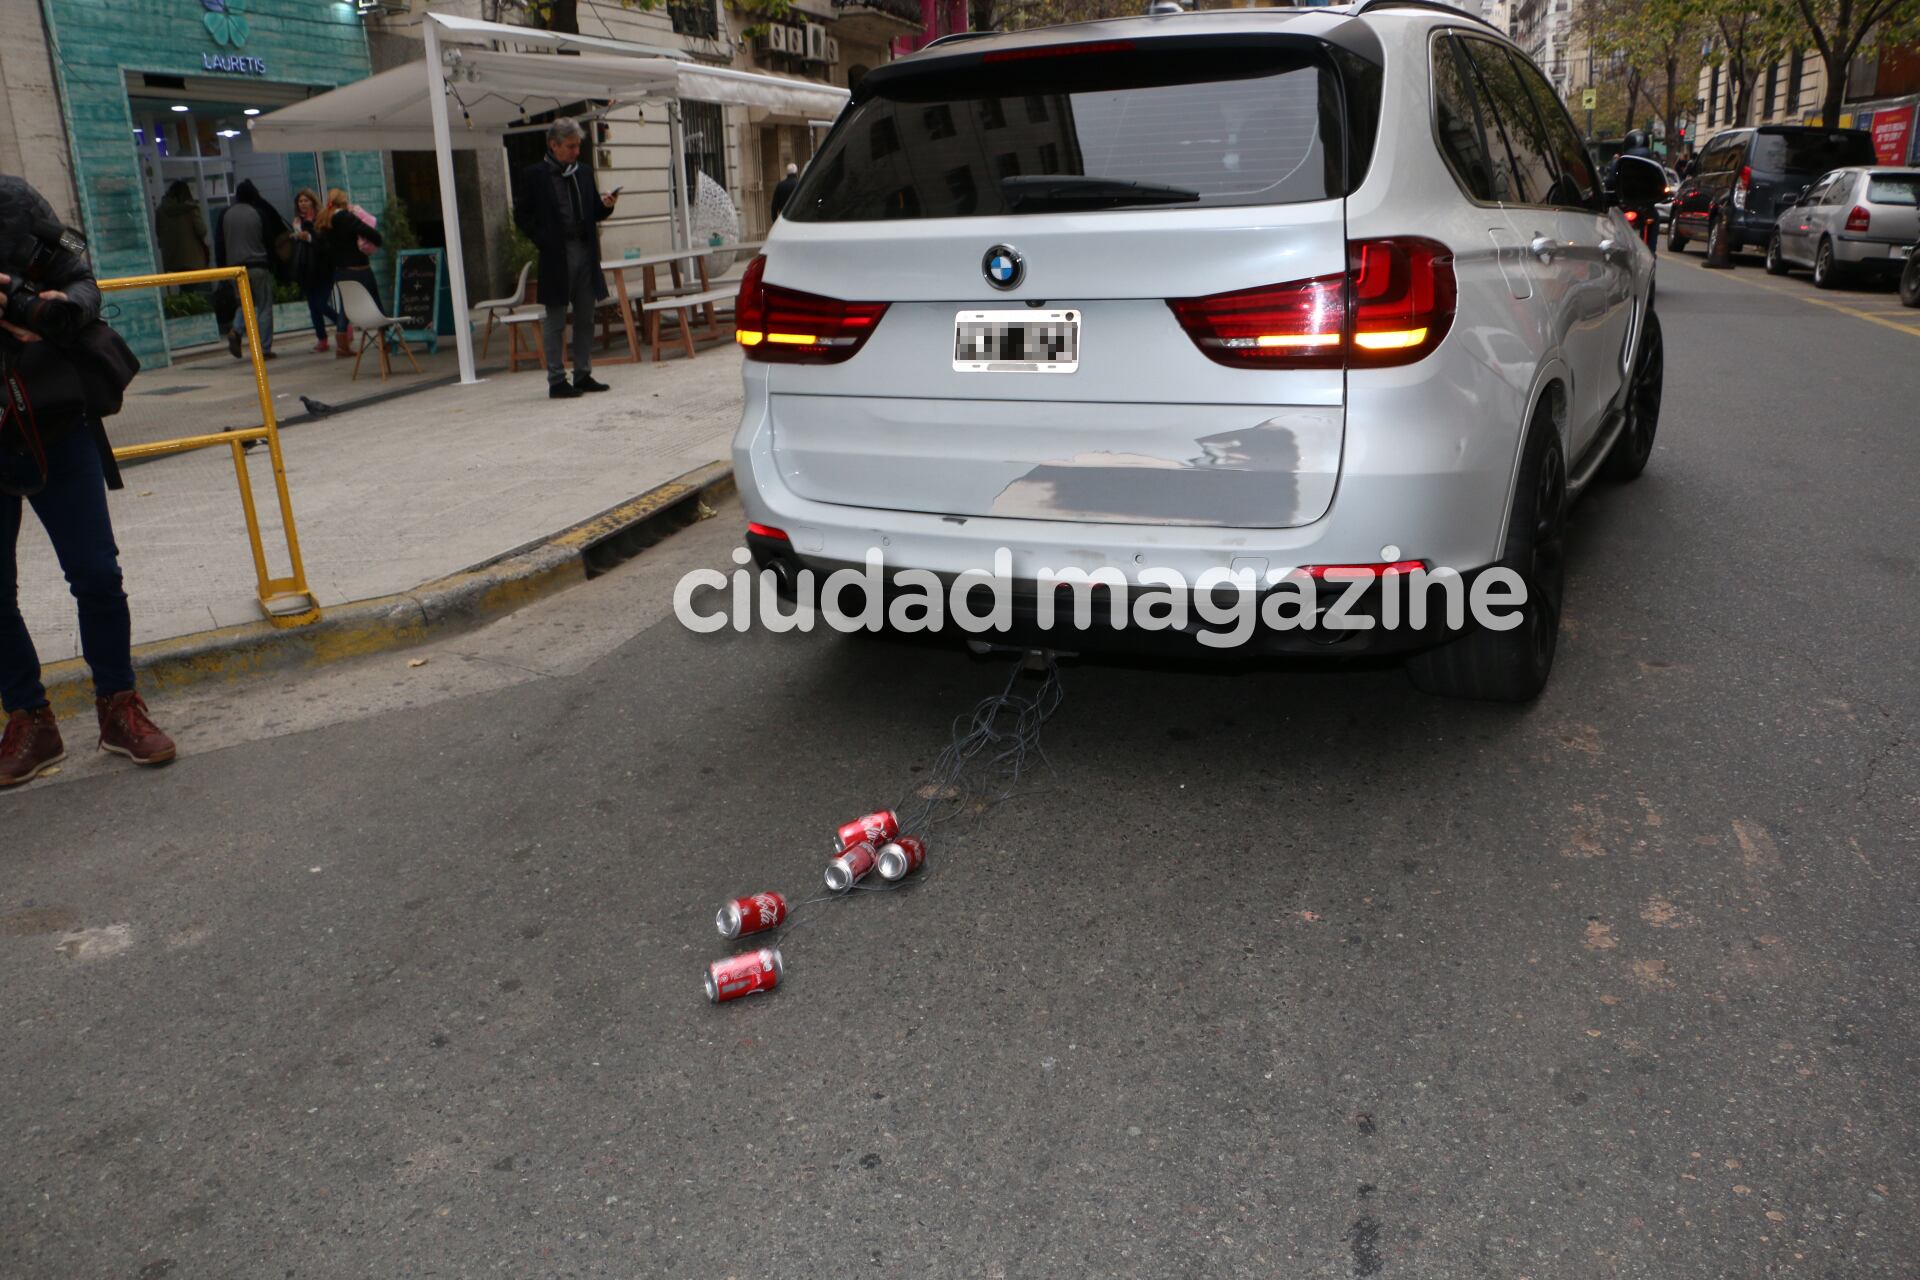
556 206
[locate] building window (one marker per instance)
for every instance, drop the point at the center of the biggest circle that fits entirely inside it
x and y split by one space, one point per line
992 115
1794 69
939 121
1036 109
1713 96
705 124
884 140
694 18
1773 78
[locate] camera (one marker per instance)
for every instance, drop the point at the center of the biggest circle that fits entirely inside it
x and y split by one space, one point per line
31 241
55 319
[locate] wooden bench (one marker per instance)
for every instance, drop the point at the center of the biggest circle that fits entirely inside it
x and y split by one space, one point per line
682 306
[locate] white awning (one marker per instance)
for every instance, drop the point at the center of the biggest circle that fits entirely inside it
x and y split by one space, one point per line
490 91
487 93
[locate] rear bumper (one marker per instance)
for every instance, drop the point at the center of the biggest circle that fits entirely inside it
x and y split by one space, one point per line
1870 253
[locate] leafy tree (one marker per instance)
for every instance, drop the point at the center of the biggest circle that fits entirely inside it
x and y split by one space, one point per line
1659 41
1843 29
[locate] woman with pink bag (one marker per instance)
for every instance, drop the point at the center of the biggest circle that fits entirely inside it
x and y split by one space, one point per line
350 237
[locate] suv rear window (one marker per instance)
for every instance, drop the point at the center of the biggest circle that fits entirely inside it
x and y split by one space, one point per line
1893 188
1811 150
1124 130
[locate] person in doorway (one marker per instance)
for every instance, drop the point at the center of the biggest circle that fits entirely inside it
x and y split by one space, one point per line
556 206
181 227
250 234
348 235
313 267
50 456
783 190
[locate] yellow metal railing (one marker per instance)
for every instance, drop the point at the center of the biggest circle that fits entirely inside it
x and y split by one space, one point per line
287 602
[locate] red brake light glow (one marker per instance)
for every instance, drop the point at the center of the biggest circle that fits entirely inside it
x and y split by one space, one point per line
757 530
1355 572
1058 51
1746 176
786 326
1859 219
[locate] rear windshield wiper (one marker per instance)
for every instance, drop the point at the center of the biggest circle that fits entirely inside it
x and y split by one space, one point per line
1070 191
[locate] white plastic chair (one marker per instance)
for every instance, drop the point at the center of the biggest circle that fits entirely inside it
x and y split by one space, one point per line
493 308
374 326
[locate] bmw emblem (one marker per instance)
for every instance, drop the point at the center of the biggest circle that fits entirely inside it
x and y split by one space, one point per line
1003 267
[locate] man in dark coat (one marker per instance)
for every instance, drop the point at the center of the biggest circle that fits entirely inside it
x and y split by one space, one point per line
783 189
556 206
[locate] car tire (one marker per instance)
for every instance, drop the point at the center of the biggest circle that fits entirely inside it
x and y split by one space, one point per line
1776 264
1513 665
1910 281
1719 248
1826 272
1676 243
1628 456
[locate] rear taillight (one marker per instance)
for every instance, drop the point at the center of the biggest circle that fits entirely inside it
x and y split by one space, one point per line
785 326
1633 216
1859 219
1740 190
1393 305
1301 325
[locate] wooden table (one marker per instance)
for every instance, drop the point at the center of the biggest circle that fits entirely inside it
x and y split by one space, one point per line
649 263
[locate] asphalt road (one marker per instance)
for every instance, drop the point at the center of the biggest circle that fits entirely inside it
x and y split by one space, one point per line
1276 974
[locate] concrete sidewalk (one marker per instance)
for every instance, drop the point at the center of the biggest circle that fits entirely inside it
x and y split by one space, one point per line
387 496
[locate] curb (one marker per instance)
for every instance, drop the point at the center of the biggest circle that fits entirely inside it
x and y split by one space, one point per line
458 602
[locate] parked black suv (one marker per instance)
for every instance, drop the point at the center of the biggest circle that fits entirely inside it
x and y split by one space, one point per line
1736 187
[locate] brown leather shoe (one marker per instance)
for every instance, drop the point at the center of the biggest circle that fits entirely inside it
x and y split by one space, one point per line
125 729
343 344
30 746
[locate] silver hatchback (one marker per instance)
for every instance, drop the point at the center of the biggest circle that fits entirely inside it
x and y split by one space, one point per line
1254 294
1856 221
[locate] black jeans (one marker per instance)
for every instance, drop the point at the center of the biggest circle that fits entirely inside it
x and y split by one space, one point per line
73 507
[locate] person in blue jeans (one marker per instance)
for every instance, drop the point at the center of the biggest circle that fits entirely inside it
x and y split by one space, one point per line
313 267
50 458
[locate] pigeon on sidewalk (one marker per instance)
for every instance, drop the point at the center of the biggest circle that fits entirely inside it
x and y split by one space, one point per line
318 408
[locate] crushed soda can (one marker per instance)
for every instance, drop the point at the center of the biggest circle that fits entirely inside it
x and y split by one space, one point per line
755 913
876 827
851 867
744 974
901 858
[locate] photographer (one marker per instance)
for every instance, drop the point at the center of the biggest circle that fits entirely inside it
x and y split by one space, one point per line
51 453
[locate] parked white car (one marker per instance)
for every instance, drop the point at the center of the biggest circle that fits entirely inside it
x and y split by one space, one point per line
1852 222
1205 291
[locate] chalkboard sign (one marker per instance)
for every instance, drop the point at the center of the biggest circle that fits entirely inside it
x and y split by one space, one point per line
416 284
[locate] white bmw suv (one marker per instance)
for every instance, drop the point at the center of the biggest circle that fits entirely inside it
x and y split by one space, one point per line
1246 297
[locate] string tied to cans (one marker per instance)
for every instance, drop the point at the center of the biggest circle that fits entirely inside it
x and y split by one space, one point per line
991 748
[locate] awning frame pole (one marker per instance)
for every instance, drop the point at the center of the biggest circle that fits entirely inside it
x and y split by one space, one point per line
449 201
677 127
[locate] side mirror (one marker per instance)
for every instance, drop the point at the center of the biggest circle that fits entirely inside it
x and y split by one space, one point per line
1638 182
1790 198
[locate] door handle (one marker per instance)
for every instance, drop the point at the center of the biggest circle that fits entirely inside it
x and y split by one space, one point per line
1543 248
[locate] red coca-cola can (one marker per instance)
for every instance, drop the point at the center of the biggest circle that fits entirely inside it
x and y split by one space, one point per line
851 867
877 827
755 913
744 974
901 858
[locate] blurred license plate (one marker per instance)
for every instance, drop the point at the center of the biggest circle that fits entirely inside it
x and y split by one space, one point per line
1024 341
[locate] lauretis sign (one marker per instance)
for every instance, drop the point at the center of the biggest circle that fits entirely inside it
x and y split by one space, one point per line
226 22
